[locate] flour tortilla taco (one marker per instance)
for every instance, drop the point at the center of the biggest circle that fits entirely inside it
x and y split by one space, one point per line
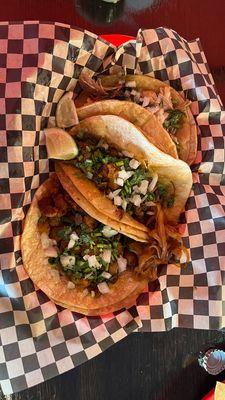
163 103
77 261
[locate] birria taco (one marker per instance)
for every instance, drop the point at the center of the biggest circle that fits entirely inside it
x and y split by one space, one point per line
78 262
166 120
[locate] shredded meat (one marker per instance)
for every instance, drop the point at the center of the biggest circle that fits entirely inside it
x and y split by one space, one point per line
60 203
166 97
47 207
96 89
152 96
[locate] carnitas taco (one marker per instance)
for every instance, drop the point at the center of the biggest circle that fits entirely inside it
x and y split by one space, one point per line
163 103
78 262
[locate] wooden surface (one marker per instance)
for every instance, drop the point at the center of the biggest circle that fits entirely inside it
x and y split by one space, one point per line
159 366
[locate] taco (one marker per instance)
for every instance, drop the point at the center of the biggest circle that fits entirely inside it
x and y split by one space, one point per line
77 261
121 174
123 181
155 96
142 118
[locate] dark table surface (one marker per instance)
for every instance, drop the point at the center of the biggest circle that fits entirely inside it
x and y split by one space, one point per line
161 366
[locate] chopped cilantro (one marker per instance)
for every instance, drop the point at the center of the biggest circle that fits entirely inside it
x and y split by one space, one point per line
175 102
170 202
174 120
65 232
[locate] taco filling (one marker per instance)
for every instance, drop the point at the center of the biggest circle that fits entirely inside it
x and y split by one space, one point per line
124 180
161 103
90 254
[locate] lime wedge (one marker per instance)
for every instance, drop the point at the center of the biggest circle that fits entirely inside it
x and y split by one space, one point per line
66 114
60 145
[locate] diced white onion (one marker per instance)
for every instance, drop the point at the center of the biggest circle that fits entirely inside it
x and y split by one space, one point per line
103 288
74 236
111 195
89 175
92 293
67 261
125 174
51 251
106 255
93 262
70 285
71 244
130 84
134 164
143 187
127 154
122 264
106 275
136 189
136 200
117 200
153 183
108 231
119 181
150 213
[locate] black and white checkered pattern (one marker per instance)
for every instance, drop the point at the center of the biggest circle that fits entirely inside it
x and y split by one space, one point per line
38 63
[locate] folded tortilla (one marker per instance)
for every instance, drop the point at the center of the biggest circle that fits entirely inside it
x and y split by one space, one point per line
89 197
123 292
187 134
123 135
137 115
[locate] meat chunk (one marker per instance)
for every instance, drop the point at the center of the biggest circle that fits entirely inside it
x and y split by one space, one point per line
90 222
112 174
47 207
60 203
132 258
151 95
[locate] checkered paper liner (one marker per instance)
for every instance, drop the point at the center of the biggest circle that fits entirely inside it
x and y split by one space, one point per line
39 61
